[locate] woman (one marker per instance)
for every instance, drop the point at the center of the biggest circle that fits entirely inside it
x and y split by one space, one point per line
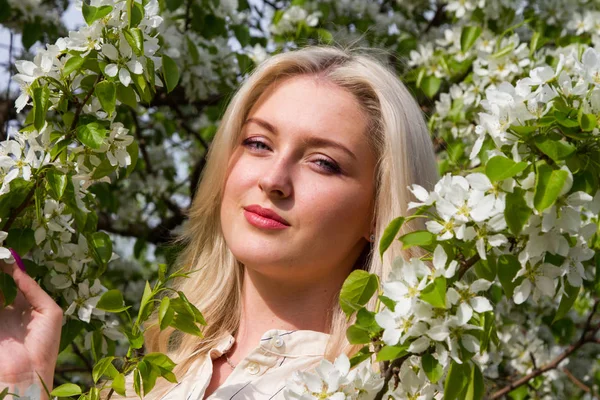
312 160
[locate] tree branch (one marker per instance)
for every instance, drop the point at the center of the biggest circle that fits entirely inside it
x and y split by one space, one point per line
390 372
586 337
142 142
464 267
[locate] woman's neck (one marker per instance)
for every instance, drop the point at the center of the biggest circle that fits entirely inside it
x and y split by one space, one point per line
282 305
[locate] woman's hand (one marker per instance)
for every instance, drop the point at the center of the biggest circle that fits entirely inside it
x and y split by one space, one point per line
29 335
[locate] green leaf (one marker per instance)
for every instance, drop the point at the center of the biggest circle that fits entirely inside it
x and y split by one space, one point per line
106 92
456 381
170 72
41 103
70 330
32 32
92 135
430 85
246 64
165 313
468 37
242 33
475 388
508 266
186 324
104 169
520 393
73 64
137 381
567 300
366 320
504 51
57 183
361 356
389 303
555 149
435 293
388 353
135 38
516 212
8 288
488 323
357 290
103 367
136 13
389 234
433 369
118 384
588 122
21 240
193 50
565 120
417 238
112 301
549 184
486 269
91 14
357 335
102 245
499 168
149 374
5 14
160 360
66 390
133 149
126 95
190 306
136 340
324 36
146 297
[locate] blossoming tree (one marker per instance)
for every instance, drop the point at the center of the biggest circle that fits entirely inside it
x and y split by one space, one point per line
503 303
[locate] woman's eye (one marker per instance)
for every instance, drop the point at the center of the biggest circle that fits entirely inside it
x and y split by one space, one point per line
329 166
255 144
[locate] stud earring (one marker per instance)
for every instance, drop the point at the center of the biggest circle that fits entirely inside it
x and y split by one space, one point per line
372 238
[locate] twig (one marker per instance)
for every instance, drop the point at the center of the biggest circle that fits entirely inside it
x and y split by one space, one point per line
437 18
80 106
22 206
586 337
392 369
467 264
576 381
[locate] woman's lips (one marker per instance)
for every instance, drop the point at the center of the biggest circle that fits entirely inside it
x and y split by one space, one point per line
254 217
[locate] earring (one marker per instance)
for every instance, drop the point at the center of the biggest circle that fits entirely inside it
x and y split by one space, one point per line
372 238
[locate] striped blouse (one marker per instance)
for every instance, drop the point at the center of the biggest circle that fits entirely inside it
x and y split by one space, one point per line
261 374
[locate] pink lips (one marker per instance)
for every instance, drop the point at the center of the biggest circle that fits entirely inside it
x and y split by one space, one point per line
264 217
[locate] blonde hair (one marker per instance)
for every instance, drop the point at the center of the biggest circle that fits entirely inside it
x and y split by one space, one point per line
396 131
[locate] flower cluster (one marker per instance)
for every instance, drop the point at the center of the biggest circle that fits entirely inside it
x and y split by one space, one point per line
335 381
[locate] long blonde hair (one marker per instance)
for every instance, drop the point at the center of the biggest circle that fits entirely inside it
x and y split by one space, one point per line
397 133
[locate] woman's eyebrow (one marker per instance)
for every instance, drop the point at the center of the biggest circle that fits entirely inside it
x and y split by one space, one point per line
310 141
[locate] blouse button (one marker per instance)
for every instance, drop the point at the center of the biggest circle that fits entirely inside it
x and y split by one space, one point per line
252 368
278 342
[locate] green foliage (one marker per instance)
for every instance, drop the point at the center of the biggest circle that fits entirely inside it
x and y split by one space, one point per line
435 293
357 290
389 234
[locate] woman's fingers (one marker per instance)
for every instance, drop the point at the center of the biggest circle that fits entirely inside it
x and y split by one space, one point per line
32 292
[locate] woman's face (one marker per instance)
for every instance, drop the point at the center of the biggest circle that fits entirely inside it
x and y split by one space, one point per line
303 155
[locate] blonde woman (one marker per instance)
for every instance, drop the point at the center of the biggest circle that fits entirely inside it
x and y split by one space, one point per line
312 160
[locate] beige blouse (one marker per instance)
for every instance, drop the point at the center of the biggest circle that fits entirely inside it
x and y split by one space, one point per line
262 374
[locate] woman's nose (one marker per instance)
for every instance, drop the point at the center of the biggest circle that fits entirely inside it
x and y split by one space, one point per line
276 180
